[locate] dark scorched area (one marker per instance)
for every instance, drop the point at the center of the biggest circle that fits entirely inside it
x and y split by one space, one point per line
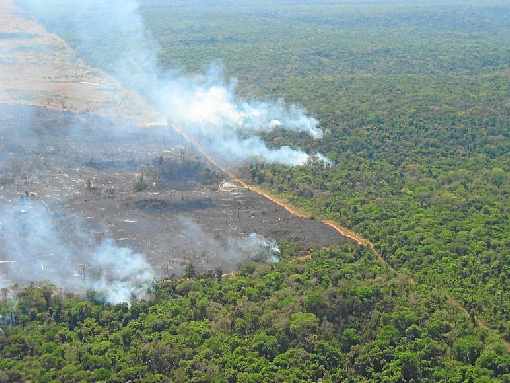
145 187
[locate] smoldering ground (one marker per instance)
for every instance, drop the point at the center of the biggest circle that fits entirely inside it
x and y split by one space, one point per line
49 246
101 188
44 245
77 179
71 213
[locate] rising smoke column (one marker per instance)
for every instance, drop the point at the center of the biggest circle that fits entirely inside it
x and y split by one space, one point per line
50 246
187 234
124 274
112 36
207 108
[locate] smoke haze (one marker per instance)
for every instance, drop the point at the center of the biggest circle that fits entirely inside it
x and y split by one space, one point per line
111 36
229 255
51 246
57 223
42 241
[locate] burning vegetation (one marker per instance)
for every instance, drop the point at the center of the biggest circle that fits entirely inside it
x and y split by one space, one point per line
83 197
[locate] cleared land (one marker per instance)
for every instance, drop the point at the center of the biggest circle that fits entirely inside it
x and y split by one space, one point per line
72 141
39 68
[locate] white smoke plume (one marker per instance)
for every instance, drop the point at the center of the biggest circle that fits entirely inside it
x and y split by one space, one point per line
39 245
111 35
124 274
253 247
208 105
261 249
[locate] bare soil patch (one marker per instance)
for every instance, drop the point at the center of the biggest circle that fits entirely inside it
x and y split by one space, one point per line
39 68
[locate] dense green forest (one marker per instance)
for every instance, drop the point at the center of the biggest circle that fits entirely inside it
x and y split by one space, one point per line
339 316
415 99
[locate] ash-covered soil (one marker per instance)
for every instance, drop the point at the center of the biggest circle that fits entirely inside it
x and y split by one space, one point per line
146 188
70 181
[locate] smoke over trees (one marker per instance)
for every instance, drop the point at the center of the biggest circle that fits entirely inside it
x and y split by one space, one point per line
48 245
112 36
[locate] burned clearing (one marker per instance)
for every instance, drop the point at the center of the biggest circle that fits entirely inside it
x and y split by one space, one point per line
87 175
146 188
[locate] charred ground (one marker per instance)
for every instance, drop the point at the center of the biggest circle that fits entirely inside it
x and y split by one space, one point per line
147 188
107 177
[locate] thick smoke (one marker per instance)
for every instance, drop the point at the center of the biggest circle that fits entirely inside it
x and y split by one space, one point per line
260 249
40 242
207 105
112 36
124 274
44 245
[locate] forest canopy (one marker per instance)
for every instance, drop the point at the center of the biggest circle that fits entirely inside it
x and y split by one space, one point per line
414 99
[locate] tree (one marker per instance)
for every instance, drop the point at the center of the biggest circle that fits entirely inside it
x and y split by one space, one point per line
349 338
467 349
302 325
189 272
410 364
